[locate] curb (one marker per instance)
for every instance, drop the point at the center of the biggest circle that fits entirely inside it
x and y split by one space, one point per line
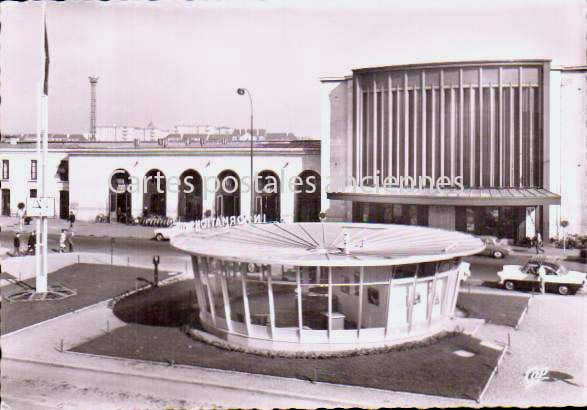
270 392
495 369
517 327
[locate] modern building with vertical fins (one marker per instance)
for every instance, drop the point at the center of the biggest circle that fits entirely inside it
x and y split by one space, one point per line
484 147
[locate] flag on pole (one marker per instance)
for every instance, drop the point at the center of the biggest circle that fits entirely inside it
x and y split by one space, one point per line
46 81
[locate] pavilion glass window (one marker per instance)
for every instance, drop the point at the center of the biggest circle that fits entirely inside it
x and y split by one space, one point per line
284 296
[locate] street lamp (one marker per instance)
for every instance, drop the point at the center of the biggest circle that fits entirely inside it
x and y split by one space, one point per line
242 91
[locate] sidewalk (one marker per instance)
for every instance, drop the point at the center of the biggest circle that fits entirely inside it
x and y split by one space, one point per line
549 250
84 228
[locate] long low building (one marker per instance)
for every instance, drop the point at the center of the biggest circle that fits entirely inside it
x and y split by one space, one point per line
485 147
181 181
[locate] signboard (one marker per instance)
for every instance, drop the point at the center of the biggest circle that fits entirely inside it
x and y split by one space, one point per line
220 222
38 207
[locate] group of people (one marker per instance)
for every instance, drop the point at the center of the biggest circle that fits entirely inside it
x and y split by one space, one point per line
31 244
65 242
65 239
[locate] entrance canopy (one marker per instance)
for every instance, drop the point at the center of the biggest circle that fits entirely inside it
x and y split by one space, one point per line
452 197
323 244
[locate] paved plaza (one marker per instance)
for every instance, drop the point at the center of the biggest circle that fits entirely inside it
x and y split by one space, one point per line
82 380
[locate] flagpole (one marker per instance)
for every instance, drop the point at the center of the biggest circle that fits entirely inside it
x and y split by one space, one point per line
38 258
42 278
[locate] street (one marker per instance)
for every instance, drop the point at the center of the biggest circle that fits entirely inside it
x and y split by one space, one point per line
121 246
483 268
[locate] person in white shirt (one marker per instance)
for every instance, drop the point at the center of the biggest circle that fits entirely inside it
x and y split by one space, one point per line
542 278
62 239
20 213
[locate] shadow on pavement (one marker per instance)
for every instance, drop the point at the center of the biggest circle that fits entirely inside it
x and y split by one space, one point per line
492 285
170 306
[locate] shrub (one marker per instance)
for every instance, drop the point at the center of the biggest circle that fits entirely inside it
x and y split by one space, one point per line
211 340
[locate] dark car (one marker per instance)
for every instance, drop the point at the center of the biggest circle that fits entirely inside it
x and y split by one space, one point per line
497 248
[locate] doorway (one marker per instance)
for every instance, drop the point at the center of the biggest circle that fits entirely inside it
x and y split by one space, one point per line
189 207
6 202
63 204
154 198
228 195
267 194
307 197
120 197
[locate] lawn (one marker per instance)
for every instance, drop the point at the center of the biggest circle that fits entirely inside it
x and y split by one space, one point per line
93 283
154 334
505 310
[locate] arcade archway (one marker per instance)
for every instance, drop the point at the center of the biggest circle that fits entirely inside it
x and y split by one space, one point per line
189 207
267 194
120 197
228 194
154 197
307 197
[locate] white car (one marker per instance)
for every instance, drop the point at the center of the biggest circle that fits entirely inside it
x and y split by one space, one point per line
167 232
558 278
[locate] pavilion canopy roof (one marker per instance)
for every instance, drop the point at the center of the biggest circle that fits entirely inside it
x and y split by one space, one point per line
323 244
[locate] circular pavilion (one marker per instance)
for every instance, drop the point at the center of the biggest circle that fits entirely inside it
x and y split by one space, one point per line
326 286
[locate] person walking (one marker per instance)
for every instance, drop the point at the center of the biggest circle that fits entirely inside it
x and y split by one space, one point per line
542 278
62 239
71 219
16 244
32 242
20 214
69 240
539 244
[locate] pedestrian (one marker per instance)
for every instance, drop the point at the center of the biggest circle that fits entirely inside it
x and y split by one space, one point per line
62 239
16 244
71 219
32 242
20 214
539 243
542 277
68 239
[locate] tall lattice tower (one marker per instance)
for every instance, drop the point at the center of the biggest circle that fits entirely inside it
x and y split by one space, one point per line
93 82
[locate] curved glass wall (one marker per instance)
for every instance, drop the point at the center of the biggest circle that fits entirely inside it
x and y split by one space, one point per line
324 304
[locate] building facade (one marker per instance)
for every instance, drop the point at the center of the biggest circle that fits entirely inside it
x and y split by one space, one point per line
485 147
21 177
123 181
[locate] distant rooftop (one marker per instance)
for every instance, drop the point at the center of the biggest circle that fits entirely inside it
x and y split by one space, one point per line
171 144
185 138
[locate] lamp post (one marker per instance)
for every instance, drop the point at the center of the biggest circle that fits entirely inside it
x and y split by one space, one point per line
242 91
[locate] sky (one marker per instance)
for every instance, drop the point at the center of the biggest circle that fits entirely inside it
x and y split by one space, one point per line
180 62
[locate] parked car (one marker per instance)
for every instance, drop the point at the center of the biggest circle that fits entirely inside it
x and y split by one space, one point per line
167 232
571 241
498 248
558 278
